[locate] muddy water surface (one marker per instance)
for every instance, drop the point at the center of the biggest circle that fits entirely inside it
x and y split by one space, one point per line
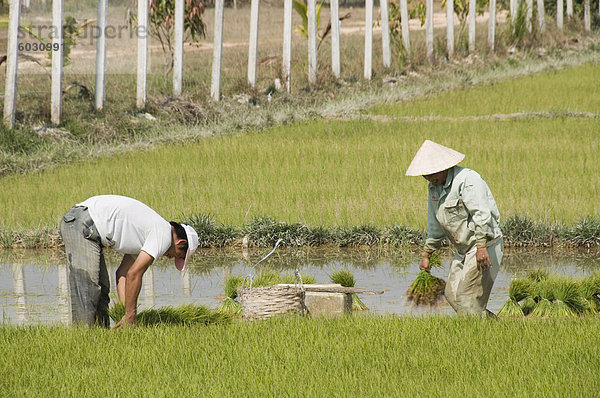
33 288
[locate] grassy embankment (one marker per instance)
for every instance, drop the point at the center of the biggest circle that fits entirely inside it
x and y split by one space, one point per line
351 173
357 356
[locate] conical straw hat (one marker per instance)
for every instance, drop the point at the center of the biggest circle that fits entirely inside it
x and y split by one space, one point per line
432 158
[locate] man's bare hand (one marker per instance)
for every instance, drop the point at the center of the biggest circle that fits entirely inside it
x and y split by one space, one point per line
483 259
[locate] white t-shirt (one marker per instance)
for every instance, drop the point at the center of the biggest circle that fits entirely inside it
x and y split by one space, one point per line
128 225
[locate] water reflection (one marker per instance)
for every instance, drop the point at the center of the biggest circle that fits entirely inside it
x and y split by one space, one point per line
35 280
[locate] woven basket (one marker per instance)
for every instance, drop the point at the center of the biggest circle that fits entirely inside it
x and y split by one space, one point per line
264 302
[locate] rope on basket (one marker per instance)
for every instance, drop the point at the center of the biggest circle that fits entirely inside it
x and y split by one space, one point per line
251 274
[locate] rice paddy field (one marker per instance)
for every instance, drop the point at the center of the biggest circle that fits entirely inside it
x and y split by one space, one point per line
351 172
355 356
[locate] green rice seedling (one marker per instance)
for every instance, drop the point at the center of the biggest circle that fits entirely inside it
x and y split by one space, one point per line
528 305
519 289
435 260
426 289
589 289
511 309
291 279
346 279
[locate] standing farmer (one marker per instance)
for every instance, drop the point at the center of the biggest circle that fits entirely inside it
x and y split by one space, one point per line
461 208
129 227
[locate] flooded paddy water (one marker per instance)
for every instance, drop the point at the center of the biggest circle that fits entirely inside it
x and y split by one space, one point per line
34 289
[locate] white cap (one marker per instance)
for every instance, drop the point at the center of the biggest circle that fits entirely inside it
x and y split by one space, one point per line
432 158
192 239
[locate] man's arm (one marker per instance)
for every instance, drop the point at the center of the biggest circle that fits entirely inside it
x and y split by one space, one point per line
133 285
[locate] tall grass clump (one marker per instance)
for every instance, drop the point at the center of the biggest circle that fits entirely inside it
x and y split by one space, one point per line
346 279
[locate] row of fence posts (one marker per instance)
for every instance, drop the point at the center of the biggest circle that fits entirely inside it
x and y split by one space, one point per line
142 44
64 293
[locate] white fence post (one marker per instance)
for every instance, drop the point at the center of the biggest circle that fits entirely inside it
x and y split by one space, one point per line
12 60
215 85
492 26
368 67
142 53
253 42
100 94
178 47
587 20
57 61
287 43
312 41
472 24
513 11
429 29
385 33
541 15
450 27
569 9
405 25
559 14
20 292
335 38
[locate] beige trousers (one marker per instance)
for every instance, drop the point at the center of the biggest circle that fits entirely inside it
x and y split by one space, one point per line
468 288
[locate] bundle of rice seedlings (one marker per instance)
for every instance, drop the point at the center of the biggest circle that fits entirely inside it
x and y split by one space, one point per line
543 308
346 279
230 306
568 294
426 289
537 275
291 279
528 305
511 309
590 291
188 315
519 289
231 285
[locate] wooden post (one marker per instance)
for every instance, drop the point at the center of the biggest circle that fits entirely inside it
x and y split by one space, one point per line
20 292
215 86
541 15
64 294
335 38
492 26
287 43
100 94
12 60
429 29
253 42
142 53
57 61
27 4
405 27
312 41
149 288
178 47
587 20
385 33
472 24
569 9
368 67
559 14
450 27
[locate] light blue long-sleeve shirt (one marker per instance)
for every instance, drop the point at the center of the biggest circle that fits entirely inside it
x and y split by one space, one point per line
462 210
